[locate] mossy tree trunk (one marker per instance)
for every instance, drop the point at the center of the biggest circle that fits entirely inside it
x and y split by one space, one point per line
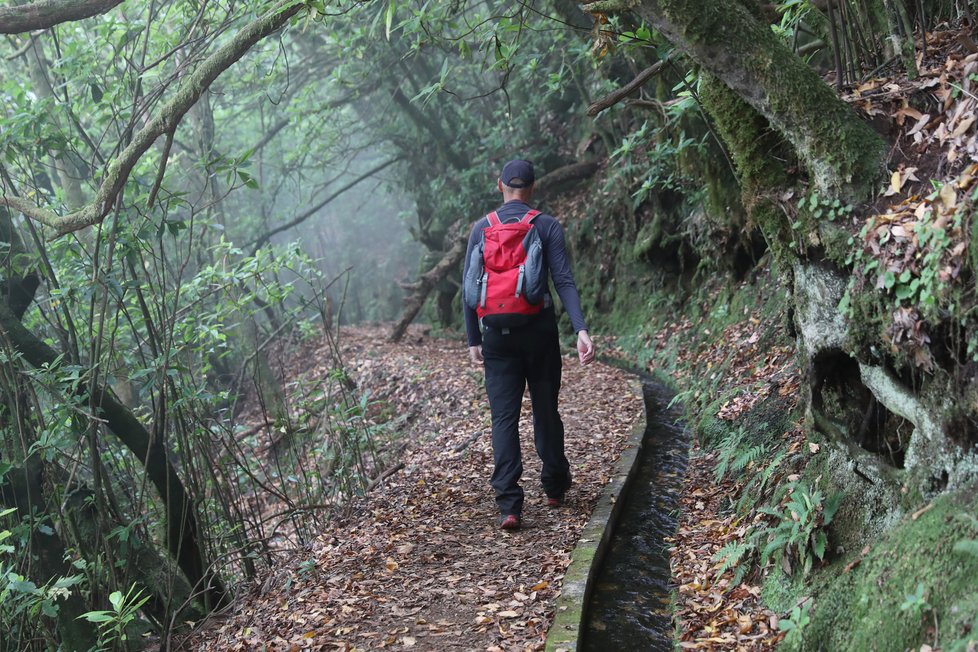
759 155
843 155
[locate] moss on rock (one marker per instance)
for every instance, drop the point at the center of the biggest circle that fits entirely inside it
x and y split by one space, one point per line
867 608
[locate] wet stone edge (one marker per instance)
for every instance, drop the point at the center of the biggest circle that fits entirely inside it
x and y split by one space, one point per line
568 627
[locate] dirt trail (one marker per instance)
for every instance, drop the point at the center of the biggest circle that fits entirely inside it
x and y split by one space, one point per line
421 563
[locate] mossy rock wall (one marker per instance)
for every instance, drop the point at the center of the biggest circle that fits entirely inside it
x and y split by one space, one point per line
867 604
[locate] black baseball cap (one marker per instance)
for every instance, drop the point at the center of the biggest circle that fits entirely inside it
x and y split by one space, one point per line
517 173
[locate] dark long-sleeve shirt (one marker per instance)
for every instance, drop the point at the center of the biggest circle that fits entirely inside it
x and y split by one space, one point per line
554 257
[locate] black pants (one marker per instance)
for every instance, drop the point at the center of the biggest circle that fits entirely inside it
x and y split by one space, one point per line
526 355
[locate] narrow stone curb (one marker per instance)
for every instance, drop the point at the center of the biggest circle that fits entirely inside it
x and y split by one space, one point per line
566 631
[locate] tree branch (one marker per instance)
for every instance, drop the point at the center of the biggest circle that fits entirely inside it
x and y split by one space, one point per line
48 13
309 213
427 282
556 178
166 120
617 96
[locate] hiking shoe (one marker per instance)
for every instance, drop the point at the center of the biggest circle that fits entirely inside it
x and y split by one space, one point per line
558 501
510 522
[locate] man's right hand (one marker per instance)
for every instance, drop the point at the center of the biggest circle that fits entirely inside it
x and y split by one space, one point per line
475 354
585 347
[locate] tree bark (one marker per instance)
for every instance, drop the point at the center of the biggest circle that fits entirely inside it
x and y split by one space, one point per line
429 280
165 121
555 179
617 96
48 13
843 155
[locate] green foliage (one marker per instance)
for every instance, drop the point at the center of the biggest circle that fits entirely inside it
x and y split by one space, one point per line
819 207
736 452
798 532
112 623
795 624
25 607
647 160
916 603
793 536
736 555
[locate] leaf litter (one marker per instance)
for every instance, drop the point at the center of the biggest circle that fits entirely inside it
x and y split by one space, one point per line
419 561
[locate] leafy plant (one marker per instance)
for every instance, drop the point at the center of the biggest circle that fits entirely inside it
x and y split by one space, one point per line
795 624
737 453
825 208
799 529
112 623
736 555
916 603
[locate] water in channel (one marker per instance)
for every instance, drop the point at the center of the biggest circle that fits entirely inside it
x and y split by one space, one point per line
630 607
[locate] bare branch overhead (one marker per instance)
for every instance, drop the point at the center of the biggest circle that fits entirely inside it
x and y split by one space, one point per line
617 96
312 211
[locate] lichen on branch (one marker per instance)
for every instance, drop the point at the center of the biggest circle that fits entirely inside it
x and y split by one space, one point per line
166 119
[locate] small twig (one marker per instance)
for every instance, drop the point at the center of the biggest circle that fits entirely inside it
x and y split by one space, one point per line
159 174
24 48
465 444
920 512
383 476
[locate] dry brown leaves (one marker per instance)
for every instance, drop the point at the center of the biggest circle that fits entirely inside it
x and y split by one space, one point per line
420 563
713 616
710 614
934 113
913 249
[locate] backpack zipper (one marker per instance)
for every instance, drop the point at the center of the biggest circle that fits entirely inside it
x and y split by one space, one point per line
520 280
484 283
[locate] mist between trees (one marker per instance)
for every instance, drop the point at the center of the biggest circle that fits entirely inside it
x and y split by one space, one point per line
190 188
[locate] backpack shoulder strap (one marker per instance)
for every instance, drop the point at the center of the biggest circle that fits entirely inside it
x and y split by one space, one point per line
493 218
530 214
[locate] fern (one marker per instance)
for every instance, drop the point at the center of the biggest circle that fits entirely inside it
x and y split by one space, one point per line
768 472
729 451
731 554
735 555
747 456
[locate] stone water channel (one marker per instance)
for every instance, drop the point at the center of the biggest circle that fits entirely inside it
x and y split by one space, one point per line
630 605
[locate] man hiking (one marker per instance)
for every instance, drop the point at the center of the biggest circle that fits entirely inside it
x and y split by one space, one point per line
511 328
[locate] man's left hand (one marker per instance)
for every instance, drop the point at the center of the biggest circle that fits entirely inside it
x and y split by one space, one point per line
585 347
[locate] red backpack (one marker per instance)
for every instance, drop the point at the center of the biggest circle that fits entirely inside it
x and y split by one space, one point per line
506 282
